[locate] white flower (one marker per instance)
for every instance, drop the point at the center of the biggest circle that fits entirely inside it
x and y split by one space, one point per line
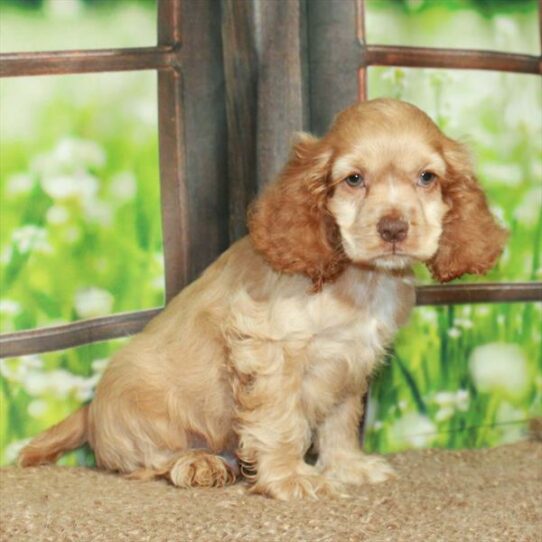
428 314
44 164
62 9
144 111
454 332
498 212
12 450
8 370
449 402
393 74
84 387
37 408
58 383
444 414
511 422
57 214
123 186
157 283
6 255
465 323
80 185
71 235
19 183
508 174
79 152
31 238
93 302
462 399
444 398
370 411
412 430
99 365
506 31
529 209
9 307
158 258
536 169
15 369
507 413
499 367
98 212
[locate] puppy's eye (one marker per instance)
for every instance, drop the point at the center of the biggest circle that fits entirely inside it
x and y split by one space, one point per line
426 178
355 180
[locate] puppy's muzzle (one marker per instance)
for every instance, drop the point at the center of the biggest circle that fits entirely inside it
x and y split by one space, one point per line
392 229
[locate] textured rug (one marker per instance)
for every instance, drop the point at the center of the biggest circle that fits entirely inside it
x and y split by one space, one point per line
482 495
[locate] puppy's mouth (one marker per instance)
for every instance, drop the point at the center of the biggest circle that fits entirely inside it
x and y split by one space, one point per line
393 260
394 256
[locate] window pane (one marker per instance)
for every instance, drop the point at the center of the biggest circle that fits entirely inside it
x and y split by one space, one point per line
38 391
459 377
499 115
80 234
45 25
511 27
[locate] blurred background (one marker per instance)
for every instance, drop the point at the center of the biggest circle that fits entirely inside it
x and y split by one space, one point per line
80 231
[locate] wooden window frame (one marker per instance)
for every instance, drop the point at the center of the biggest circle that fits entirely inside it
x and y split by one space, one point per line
167 59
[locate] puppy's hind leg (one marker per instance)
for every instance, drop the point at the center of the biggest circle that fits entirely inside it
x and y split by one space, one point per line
202 468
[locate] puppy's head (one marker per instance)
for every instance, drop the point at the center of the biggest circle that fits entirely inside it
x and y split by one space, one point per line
384 188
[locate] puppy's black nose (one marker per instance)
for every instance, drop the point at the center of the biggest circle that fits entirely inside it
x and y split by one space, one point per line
392 229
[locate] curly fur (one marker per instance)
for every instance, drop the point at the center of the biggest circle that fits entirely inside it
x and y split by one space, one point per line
269 352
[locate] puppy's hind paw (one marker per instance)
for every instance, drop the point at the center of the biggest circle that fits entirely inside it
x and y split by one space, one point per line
360 469
378 470
199 468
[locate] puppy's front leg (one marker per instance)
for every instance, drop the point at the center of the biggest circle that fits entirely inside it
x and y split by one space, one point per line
273 431
340 455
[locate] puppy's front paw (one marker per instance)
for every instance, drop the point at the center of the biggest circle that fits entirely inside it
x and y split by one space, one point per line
360 469
300 486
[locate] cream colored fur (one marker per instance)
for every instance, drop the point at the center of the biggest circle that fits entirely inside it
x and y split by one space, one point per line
249 360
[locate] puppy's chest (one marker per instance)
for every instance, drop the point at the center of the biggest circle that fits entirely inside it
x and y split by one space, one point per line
341 357
348 316
342 354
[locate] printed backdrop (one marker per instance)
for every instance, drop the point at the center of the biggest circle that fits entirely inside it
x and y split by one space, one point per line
80 222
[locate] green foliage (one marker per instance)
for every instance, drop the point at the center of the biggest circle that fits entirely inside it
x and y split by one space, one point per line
486 7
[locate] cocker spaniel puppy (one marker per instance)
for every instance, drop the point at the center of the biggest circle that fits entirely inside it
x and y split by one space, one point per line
269 351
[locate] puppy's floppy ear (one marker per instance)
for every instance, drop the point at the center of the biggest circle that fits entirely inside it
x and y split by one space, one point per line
289 223
471 240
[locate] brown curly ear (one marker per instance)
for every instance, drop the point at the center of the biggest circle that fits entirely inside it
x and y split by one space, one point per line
471 240
289 223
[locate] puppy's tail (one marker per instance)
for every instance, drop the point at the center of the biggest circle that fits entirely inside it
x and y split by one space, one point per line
62 437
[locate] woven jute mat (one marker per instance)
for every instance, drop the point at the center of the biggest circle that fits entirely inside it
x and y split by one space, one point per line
481 495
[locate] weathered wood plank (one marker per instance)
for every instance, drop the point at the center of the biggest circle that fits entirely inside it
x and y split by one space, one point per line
240 60
202 87
425 57
283 105
48 339
97 60
334 59
173 189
